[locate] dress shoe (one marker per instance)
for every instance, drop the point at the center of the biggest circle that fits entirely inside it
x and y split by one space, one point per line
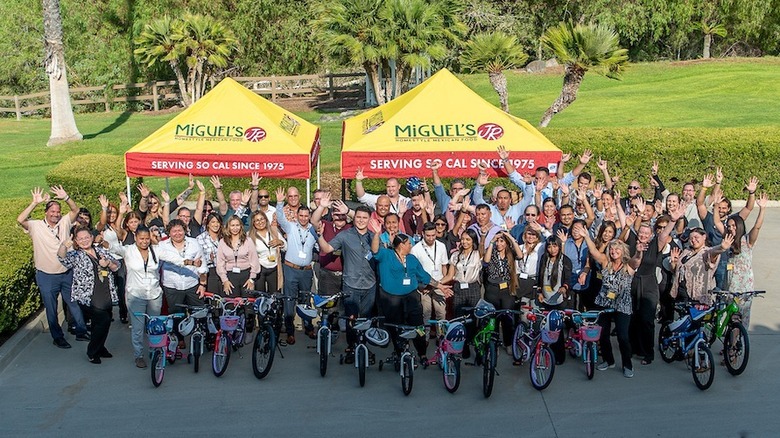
311 334
140 362
83 337
290 340
104 353
61 342
96 360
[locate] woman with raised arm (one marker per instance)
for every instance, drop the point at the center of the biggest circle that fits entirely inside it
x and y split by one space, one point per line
111 227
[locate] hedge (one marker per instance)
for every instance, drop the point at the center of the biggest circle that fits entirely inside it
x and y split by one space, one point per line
19 296
85 177
684 154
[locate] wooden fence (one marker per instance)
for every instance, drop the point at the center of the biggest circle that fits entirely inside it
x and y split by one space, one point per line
153 95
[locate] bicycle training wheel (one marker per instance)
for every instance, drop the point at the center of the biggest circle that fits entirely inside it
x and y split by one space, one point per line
589 353
221 357
360 359
158 367
323 354
736 349
704 374
263 351
489 369
407 373
667 346
542 368
451 372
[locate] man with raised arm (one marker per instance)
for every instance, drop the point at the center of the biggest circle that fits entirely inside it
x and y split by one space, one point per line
398 202
52 278
443 198
542 175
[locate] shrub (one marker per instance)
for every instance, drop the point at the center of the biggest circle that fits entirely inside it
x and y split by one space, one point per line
85 177
19 296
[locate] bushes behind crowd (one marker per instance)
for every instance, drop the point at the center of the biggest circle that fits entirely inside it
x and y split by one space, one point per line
19 296
684 154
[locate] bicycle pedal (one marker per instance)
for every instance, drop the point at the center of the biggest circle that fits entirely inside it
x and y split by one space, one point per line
179 355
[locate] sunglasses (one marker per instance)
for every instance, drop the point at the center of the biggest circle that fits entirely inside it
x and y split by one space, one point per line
441 224
531 214
634 187
263 196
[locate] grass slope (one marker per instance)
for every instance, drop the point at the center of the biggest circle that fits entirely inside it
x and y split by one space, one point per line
712 94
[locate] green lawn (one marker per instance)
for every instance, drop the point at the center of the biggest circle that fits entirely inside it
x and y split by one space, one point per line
714 94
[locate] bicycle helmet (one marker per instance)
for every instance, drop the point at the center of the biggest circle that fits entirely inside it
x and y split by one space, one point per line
186 326
157 326
554 321
456 337
263 305
377 337
305 311
324 301
483 309
413 183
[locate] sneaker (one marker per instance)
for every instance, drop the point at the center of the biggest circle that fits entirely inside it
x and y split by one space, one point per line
628 373
140 362
61 343
603 366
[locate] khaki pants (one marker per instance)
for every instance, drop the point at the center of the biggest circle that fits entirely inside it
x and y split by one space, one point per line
433 305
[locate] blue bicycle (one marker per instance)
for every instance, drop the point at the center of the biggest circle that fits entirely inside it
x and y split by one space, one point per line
684 339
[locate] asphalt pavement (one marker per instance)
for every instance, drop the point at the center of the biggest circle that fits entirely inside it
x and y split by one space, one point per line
45 391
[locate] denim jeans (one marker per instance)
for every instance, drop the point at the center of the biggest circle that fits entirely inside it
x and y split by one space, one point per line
51 286
295 280
150 307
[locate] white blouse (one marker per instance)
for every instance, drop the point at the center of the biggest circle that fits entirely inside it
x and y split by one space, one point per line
143 279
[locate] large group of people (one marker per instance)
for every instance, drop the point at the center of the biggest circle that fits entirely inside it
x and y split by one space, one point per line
554 240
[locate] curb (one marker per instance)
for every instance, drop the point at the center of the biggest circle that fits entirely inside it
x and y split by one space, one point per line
21 339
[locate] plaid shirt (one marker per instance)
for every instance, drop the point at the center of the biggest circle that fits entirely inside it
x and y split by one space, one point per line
209 249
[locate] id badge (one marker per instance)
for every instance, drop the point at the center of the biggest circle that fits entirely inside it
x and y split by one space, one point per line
503 285
464 286
271 258
369 255
599 276
407 282
236 270
523 276
302 254
611 295
548 289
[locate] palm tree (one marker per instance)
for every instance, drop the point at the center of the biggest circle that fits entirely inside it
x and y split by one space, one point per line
209 45
63 124
581 48
709 30
494 53
352 35
160 42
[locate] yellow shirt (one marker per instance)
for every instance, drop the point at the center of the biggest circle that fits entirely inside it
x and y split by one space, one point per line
46 241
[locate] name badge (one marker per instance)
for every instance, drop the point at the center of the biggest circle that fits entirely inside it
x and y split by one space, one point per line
271 258
236 270
599 276
436 273
503 285
523 276
548 289
407 282
301 254
369 255
611 295
464 285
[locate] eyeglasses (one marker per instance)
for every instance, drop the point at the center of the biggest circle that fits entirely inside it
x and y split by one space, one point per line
439 224
263 196
530 214
634 187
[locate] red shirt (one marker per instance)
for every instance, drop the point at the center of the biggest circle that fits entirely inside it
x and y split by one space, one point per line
331 262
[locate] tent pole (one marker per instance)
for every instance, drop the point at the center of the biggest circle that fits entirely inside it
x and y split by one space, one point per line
343 189
308 191
129 198
318 171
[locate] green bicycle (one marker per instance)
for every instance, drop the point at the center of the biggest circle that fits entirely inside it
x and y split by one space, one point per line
486 340
726 324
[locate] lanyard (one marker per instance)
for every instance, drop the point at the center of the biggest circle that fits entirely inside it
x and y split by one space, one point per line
402 263
235 254
183 252
435 248
466 262
55 231
303 236
264 241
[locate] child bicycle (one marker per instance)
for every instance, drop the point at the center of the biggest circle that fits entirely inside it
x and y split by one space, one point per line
197 325
486 340
367 332
451 337
163 343
726 324
684 339
404 362
584 337
270 313
230 335
325 334
532 341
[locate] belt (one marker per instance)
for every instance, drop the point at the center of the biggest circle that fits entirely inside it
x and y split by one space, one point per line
294 266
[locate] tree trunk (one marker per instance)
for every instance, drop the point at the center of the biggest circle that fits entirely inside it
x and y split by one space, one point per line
707 43
572 80
498 81
400 75
181 82
373 76
63 124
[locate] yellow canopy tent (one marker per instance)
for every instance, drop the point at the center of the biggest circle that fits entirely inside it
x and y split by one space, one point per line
440 119
229 132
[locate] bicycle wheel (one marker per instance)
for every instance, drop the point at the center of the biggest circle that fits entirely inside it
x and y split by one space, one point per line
489 369
197 350
173 340
517 347
407 373
263 351
589 353
542 368
708 330
360 360
667 346
736 349
158 367
221 357
323 354
451 371
704 374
